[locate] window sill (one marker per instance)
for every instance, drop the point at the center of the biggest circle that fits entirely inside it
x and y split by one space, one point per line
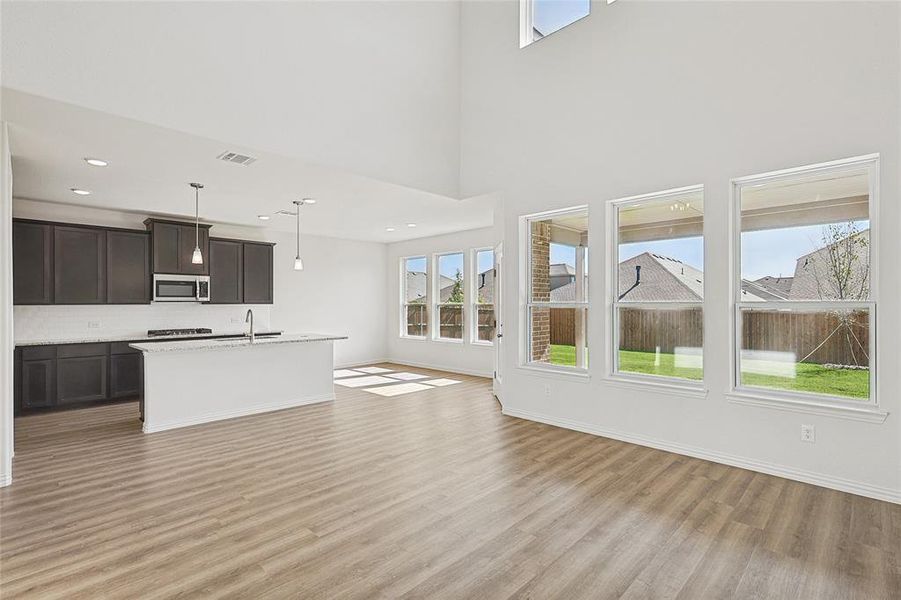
448 340
657 387
571 373
483 344
415 338
868 414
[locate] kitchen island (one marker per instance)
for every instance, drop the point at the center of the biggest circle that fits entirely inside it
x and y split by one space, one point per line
198 381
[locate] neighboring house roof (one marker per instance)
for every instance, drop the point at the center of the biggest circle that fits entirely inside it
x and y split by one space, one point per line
813 280
417 286
561 269
661 279
665 279
485 283
564 293
779 287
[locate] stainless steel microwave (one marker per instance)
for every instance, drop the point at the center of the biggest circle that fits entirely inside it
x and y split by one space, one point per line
181 288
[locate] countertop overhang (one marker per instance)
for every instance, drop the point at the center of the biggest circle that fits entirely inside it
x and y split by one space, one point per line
232 343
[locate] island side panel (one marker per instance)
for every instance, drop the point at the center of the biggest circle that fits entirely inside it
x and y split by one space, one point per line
183 388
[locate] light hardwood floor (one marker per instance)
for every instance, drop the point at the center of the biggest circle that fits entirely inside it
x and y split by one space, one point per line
432 494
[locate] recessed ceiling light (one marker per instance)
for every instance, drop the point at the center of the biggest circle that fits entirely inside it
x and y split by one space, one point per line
309 200
389 228
96 162
411 224
80 192
263 217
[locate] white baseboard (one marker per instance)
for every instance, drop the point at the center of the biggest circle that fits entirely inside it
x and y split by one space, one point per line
231 414
357 363
5 479
445 368
822 480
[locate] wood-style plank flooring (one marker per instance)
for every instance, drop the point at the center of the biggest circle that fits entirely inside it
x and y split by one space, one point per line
432 494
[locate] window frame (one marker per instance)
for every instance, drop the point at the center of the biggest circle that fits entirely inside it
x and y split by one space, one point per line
527 22
474 297
787 398
526 303
403 296
613 372
435 299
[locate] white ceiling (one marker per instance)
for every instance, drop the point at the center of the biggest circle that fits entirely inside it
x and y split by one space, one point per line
150 168
371 88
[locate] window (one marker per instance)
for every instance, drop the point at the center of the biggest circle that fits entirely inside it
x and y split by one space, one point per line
449 296
805 297
483 296
415 297
557 295
540 18
658 315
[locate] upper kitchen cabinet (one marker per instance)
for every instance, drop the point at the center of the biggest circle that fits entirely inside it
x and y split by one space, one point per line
173 244
79 257
226 271
32 263
257 273
128 267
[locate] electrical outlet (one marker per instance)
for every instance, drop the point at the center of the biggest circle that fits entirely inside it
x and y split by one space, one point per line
93 324
547 390
808 433
235 320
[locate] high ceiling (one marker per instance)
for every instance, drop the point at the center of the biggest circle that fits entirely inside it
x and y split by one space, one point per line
309 88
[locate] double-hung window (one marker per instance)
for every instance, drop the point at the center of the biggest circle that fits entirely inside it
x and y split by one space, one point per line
658 296
415 294
556 310
449 296
804 288
483 296
540 18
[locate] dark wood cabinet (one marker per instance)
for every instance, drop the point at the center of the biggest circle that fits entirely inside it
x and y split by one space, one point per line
81 379
79 260
257 263
32 263
126 375
173 246
128 267
226 272
165 247
38 383
73 375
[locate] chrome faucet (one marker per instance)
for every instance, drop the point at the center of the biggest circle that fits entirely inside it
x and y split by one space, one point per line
249 317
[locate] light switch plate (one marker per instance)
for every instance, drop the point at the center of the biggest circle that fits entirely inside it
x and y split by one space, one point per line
808 434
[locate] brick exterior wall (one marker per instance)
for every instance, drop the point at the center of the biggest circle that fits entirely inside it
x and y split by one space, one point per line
541 290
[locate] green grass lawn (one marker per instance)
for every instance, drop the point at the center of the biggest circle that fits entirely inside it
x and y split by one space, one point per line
809 377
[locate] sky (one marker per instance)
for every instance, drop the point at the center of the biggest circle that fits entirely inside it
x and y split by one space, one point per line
551 15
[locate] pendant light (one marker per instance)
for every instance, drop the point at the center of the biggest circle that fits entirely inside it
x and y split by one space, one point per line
197 256
298 261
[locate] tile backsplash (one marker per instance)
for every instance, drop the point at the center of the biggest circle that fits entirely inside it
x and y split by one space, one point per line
60 322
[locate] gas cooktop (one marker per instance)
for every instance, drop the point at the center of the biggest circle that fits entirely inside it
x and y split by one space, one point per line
170 332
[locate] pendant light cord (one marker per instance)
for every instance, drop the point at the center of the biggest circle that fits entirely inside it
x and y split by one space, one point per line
197 217
298 231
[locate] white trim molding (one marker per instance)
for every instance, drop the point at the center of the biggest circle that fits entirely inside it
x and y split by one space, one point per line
445 369
804 476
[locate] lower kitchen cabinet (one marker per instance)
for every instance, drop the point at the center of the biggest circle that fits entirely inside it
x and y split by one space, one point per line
81 379
126 375
38 384
73 375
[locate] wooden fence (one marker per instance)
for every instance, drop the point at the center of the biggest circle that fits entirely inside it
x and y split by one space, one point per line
798 333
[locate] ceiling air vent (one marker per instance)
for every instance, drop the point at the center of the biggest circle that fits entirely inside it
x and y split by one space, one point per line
238 159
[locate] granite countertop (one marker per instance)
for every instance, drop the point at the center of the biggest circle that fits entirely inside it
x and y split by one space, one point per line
137 337
220 344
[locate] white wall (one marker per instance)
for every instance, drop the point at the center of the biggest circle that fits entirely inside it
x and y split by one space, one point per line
6 310
646 96
465 357
323 298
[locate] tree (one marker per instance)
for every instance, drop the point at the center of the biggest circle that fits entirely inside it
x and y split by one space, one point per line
456 294
840 270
